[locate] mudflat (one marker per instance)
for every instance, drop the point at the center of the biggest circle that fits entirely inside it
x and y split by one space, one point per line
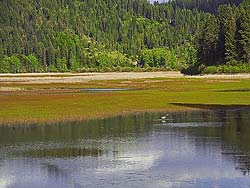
46 78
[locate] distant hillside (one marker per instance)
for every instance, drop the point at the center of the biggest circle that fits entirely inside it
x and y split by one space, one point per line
65 35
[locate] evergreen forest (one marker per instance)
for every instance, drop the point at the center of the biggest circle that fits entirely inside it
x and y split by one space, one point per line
194 36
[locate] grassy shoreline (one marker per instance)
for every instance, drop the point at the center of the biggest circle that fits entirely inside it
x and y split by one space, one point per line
35 103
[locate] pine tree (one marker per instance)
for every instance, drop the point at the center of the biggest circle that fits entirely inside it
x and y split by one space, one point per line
244 30
208 41
227 18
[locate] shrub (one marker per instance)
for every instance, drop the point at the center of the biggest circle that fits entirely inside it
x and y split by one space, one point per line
232 69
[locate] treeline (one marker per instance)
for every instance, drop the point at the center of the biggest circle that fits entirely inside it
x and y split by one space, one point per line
67 35
223 44
77 35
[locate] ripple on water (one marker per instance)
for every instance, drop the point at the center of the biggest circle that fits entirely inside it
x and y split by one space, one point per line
193 124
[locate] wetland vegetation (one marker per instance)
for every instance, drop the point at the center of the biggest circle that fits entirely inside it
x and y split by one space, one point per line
43 102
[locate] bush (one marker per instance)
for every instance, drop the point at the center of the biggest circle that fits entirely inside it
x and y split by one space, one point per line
230 69
122 69
193 69
158 57
112 59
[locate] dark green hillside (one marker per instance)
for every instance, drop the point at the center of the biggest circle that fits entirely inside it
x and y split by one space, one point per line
223 43
75 35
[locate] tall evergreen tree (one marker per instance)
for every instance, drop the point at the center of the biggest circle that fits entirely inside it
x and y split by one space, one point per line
208 41
227 19
244 30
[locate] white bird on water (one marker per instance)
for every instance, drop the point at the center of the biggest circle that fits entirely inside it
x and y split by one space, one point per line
164 117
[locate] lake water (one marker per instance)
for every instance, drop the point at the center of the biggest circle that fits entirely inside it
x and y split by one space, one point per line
186 150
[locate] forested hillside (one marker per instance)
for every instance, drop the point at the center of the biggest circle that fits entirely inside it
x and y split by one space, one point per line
223 43
79 35
205 5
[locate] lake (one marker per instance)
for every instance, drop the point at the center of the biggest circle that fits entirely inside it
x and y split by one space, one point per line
183 149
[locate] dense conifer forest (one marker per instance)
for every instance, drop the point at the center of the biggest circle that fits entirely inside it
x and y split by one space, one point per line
194 36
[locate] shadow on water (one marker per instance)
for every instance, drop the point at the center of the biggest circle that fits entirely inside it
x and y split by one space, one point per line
61 153
236 90
118 127
214 106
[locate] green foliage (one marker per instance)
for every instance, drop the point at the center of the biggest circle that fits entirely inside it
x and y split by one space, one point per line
186 55
224 40
158 57
193 69
61 65
112 59
227 19
244 31
83 34
30 63
205 5
14 64
106 34
207 42
5 65
74 63
243 68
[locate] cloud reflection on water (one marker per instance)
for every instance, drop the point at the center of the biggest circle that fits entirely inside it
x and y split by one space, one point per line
129 154
5 182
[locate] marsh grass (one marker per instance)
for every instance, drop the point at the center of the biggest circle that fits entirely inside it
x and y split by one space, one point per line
38 103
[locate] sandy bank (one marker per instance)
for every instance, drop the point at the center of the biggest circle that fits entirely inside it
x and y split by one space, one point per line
44 78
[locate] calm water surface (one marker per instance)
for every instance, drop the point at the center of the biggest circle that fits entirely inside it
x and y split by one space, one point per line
189 150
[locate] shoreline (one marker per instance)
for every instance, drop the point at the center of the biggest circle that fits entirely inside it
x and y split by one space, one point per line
51 121
32 122
46 78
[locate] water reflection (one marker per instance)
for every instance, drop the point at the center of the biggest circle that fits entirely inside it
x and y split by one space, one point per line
62 153
190 149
